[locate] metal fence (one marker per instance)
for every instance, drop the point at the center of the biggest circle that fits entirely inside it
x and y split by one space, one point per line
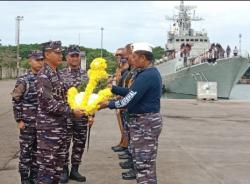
10 73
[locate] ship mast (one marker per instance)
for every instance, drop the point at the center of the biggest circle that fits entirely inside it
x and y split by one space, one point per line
184 18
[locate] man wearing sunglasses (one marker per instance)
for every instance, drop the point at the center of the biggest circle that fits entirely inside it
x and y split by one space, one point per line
52 115
74 76
24 98
120 73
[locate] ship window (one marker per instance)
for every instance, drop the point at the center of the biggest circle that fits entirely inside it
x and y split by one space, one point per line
187 40
170 40
192 40
177 40
196 40
205 40
201 40
182 40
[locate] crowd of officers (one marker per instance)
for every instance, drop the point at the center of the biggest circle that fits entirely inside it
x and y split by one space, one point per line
48 125
215 52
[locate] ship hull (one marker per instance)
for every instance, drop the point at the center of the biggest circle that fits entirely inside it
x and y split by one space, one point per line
226 72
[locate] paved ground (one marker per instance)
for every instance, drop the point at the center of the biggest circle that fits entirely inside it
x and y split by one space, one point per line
201 143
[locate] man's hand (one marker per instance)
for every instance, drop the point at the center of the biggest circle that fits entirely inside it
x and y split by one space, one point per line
20 125
90 121
103 105
78 113
110 82
109 85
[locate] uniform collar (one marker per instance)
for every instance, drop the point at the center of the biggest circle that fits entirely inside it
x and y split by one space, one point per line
51 71
29 72
71 69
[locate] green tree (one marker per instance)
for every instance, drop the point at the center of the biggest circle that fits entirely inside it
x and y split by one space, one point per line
7 58
158 52
91 54
24 50
24 63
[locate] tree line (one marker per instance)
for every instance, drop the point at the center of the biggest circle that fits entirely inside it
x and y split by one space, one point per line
8 55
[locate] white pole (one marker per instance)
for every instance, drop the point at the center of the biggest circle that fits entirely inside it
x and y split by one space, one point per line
240 44
101 39
79 39
18 19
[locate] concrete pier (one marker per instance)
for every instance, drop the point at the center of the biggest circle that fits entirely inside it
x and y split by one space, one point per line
201 143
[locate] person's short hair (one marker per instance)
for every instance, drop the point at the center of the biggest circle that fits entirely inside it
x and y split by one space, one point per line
117 50
148 55
128 47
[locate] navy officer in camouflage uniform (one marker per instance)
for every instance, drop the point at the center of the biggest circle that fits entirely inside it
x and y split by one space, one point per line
52 115
127 82
74 76
24 98
142 101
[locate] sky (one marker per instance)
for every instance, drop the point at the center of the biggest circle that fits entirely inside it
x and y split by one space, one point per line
123 22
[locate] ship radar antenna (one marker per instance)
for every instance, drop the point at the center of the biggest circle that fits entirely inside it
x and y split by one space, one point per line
184 18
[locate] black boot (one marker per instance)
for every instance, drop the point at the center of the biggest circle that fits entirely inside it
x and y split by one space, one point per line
127 164
25 178
124 156
126 152
130 175
64 178
119 149
114 147
33 177
75 175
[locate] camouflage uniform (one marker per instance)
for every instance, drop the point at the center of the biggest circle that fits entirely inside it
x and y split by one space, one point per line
122 82
125 116
24 98
128 81
53 112
144 131
142 101
77 128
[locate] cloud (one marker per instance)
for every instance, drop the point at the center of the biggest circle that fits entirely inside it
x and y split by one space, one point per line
123 21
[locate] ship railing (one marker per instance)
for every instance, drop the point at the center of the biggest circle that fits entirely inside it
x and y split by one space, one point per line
162 60
202 58
192 61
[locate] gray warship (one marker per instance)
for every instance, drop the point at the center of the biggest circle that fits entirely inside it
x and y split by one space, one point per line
181 67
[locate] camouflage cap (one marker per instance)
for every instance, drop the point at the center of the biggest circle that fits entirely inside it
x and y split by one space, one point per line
35 54
73 49
56 46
